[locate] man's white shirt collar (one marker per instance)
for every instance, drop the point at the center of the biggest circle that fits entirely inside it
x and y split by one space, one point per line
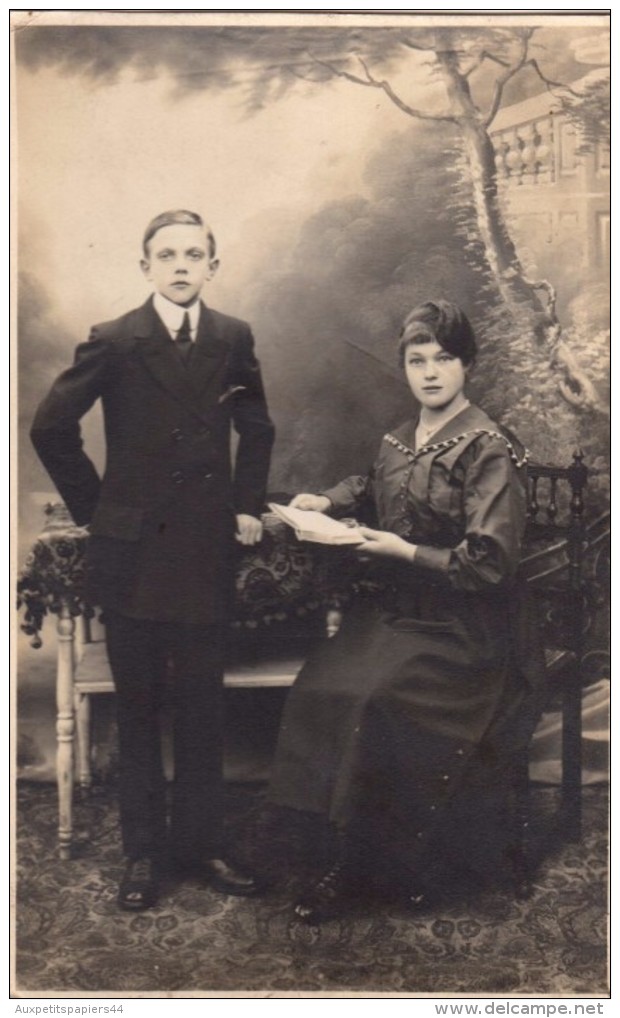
172 315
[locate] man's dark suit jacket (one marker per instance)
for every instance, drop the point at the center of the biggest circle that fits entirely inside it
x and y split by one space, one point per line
162 518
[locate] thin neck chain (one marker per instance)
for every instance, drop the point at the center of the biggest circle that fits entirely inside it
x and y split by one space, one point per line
423 432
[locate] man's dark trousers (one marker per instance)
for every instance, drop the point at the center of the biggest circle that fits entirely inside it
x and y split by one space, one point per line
140 653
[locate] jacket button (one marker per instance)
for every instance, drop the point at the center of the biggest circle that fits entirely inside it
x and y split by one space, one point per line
203 430
177 476
176 434
207 477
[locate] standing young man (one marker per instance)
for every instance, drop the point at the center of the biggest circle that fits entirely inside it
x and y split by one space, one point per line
172 376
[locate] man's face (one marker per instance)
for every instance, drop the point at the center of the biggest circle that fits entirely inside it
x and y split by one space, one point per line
178 262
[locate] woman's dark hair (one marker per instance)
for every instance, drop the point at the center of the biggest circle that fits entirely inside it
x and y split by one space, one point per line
441 321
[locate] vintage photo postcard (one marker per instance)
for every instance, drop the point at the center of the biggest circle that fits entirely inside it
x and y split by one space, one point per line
355 266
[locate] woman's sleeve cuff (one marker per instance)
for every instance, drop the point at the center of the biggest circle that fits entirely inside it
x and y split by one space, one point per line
339 496
437 560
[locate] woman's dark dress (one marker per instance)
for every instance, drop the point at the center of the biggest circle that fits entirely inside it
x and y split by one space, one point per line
423 691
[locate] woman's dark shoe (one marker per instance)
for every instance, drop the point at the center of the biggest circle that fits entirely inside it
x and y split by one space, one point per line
139 888
337 894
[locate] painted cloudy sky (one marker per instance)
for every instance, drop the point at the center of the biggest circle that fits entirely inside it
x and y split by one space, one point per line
304 185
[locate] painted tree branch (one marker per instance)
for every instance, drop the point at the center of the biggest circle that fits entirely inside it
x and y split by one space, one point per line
532 62
389 368
504 78
410 44
575 386
517 289
502 81
544 284
370 82
479 60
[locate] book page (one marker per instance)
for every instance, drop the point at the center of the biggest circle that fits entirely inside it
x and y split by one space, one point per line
314 526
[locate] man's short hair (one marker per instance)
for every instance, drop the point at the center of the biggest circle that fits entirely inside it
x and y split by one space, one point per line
177 217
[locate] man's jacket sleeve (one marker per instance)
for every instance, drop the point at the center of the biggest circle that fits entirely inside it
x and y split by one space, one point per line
56 433
254 427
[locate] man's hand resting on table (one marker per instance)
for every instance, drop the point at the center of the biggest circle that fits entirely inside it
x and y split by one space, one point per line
249 529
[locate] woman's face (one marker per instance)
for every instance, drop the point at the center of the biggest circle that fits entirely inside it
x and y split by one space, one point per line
435 377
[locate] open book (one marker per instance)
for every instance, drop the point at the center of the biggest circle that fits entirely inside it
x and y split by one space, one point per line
312 526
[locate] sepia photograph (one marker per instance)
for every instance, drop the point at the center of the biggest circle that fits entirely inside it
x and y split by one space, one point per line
312 430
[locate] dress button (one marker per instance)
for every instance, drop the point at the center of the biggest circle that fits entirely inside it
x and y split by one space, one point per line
432 808
207 477
460 752
176 434
445 777
177 476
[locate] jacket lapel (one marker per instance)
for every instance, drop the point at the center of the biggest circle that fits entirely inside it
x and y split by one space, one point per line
209 354
185 382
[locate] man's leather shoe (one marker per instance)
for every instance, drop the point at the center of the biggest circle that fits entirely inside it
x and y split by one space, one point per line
337 894
223 876
139 887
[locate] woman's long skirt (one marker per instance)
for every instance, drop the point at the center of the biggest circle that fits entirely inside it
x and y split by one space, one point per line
392 720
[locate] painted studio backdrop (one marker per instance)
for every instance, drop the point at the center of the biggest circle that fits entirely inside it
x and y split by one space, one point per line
347 172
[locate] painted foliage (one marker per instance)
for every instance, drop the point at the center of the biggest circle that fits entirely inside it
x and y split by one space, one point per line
348 171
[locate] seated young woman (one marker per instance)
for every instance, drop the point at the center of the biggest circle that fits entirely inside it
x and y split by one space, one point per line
398 725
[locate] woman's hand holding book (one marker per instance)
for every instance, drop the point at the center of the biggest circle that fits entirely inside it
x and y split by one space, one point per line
315 503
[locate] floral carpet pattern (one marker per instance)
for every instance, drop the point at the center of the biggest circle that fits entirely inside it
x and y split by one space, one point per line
71 937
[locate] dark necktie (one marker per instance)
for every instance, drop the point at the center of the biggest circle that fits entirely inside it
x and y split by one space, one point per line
184 338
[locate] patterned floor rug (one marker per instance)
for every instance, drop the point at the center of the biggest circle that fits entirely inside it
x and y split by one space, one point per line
72 939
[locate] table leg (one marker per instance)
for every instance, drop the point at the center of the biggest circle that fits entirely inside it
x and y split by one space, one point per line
82 722
65 728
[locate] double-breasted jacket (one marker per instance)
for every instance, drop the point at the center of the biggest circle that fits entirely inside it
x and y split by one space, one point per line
162 516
